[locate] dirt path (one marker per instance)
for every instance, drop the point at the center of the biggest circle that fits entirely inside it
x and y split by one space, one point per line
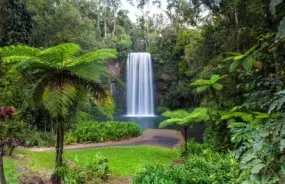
153 137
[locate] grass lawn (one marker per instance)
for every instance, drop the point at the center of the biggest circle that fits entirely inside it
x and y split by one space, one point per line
123 161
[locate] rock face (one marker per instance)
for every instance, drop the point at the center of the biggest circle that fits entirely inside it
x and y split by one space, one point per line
31 179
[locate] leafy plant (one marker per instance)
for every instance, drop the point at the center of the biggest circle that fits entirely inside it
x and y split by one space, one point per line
61 78
92 131
259 140
246 59
202 166
185 119
95 171
208 85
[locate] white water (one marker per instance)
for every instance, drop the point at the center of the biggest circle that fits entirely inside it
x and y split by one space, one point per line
139 85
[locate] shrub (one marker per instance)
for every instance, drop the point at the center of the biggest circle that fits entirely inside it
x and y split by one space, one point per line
92 131
95 171
202 166
40 139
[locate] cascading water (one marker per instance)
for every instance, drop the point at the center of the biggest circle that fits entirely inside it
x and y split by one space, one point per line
139 85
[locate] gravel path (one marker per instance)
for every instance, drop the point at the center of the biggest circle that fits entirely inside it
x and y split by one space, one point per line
153 137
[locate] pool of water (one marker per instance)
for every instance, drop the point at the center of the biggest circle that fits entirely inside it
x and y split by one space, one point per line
195 132
143 122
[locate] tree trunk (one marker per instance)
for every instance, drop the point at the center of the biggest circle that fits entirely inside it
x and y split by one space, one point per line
105 28
2 175
59 149
186 139
114 28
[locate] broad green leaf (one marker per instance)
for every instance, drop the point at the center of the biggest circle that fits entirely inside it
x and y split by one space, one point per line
281 28
234 65
218 86
247 64
214 78
273 5
201 89
200 82
257 168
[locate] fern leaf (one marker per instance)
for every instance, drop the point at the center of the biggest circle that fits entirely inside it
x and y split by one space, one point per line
58 100
169 122
100 56
89 71
18 50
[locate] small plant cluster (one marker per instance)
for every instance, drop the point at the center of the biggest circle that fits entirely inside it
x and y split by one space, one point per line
203 165
96 171
92 131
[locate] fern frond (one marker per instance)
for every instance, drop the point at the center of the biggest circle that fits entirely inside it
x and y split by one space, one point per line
169 122
57 100
100 56
59 55
176 114
18 50
89 71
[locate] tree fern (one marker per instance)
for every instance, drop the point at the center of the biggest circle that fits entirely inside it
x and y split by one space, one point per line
60 76
185 119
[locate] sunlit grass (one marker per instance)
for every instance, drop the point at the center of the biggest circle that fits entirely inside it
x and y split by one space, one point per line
123 161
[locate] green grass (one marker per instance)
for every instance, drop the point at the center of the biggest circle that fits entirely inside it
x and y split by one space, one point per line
123 161
10 166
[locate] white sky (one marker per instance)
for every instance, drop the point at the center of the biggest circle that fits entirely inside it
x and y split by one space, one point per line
133 11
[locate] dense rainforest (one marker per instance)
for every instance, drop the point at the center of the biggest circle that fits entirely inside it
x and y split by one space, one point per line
226 56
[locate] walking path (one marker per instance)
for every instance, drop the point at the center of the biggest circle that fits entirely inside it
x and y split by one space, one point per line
154 137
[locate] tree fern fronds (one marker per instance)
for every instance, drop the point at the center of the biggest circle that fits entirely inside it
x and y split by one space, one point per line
169 122
89 71
18 50
67 49
58 56
176 114
58 100
100 56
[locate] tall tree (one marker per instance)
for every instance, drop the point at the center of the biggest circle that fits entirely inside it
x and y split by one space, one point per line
16 24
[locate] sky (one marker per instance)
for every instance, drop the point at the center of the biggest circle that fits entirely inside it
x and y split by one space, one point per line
133 11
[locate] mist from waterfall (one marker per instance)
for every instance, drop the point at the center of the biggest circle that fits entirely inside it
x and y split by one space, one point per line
140 101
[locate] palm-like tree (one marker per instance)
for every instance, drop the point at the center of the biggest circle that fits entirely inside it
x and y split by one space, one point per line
185 119
208 84
61 77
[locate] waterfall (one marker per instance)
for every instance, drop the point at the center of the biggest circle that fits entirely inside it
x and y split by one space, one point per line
139 85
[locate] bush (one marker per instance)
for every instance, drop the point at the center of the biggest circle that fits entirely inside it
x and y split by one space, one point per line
95 171
92 131
40 139
202 166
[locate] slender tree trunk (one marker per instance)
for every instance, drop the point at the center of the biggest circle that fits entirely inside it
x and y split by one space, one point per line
59 148
105 29
114 28
186 139
2 175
